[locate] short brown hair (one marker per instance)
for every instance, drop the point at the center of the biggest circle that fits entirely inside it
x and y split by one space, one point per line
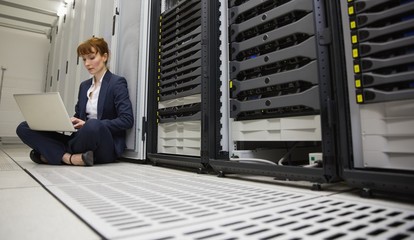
93 44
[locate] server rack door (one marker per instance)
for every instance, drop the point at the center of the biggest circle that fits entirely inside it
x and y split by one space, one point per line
379 53
183 84
132 34
280 90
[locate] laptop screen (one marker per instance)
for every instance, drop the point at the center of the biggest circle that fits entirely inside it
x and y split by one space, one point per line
44 111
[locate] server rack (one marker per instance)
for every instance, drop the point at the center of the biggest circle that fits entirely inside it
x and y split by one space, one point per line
280 91
378 132
182 116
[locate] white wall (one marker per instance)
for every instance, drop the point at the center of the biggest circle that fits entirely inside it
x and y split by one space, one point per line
24 55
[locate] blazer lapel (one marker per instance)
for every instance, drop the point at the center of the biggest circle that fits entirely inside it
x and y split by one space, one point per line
102 92
83 99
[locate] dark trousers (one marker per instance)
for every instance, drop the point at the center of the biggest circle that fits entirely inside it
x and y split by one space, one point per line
93 136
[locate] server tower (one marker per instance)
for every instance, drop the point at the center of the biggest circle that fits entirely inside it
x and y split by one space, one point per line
182 108
378 39
280 103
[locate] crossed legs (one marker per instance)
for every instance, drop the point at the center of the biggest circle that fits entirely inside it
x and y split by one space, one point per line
92 143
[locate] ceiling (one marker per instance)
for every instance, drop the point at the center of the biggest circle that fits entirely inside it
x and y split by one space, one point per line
37 16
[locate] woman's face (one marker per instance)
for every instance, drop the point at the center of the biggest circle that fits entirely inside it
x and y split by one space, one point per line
95 62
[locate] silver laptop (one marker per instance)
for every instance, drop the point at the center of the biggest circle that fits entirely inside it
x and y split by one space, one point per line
44 112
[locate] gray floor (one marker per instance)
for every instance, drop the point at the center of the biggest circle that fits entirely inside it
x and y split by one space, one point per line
135 201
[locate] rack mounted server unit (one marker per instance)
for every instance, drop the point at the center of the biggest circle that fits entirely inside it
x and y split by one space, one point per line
379 55
280 91
182 88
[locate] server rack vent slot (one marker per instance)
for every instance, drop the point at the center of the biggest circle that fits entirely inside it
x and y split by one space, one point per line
182 138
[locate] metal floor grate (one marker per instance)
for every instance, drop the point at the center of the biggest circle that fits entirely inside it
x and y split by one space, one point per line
133 201
129 199
321 218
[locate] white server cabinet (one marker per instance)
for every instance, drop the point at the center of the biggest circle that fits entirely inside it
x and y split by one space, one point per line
65 71
378 55
131 61
68 84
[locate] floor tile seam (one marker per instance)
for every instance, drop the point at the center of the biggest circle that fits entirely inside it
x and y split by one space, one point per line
21 188
338 192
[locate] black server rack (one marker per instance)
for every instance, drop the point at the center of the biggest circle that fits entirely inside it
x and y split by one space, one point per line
182 112
281 90
377 130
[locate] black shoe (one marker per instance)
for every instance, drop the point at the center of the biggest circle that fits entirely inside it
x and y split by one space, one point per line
87 158
35 157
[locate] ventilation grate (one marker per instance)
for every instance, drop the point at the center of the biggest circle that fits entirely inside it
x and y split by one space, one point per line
129 199
124 200
320 218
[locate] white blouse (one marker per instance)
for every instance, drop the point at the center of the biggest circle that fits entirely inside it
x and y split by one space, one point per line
93 96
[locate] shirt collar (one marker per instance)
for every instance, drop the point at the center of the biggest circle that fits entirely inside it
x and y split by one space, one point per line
100 80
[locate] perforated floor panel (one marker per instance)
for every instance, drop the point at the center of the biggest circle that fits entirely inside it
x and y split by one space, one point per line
133 201
320 218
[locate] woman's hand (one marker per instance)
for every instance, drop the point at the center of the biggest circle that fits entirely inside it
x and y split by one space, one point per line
77 123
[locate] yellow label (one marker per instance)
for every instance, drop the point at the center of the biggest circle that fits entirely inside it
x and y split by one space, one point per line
354 39
357 83
353 25
231 84
355 52
356 68
351 10
360 98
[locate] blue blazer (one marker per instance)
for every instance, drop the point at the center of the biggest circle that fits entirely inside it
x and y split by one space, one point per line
114 107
